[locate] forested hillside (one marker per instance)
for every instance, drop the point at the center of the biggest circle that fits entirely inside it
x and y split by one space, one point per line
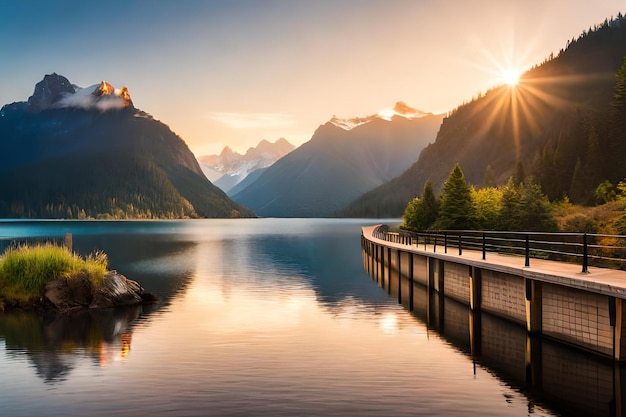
564 124
75 162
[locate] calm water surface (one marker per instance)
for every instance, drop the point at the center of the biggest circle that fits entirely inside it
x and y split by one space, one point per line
263 317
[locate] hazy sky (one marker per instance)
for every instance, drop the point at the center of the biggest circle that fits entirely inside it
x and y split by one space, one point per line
235 72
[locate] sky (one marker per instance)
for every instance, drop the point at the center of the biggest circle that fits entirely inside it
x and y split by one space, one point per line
235 72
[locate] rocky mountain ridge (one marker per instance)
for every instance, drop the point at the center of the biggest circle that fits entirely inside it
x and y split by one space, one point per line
91 154
337 165
229 168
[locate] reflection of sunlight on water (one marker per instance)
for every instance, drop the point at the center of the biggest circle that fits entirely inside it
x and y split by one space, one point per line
389 323
117 351
271 327
229 297
245 309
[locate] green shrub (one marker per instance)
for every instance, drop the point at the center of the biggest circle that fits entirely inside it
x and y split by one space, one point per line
25 270
579 223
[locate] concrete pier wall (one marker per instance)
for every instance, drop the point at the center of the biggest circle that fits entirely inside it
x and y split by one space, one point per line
546 303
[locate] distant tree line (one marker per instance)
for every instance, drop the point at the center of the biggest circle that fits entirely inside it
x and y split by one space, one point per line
516 206
102 186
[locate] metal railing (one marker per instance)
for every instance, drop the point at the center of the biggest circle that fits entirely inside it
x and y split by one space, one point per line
586 249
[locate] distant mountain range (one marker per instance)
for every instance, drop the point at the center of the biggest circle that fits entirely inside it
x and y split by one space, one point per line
89 153
344 159
564 125
70 152
228 169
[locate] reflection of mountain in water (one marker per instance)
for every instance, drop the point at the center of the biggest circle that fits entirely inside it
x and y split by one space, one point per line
54 343
331 265
154 260
164 257
144 251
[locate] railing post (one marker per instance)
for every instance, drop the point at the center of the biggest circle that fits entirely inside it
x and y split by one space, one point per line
484 248
585 255
527 252
460 248
445 242
435 244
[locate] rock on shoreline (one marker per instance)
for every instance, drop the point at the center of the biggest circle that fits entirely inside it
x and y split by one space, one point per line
63 295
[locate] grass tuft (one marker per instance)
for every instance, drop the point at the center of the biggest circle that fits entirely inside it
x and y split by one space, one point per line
25 270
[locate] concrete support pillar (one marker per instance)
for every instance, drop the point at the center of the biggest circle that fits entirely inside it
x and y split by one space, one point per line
435 274
616 318
475 283
389 271
435 297
382 266
411 281
372 262
399 253
368 255
364 253
374 266
430 266
533 306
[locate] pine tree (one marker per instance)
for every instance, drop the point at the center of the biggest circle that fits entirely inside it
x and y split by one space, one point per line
519 174
488 203
489 180
526 208
537 213
510 213
456 210
420 214
431 204
411 219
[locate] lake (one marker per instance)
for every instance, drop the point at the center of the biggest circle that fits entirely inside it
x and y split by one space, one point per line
259 317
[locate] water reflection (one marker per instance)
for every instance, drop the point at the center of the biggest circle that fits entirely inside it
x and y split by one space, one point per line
568 380
268 318
53 344
220 277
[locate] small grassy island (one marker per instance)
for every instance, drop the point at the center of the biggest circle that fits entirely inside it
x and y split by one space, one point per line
53 278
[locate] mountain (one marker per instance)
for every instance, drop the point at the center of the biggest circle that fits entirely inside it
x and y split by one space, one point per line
343 159
559 124
228 169
89 153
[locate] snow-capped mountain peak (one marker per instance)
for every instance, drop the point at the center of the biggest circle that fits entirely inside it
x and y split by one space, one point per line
351 123
230 168
55 91
400 109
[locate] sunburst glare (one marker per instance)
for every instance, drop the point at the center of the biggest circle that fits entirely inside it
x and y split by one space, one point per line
511 77
512 107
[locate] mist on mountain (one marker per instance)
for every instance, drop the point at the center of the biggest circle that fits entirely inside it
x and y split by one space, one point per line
69 152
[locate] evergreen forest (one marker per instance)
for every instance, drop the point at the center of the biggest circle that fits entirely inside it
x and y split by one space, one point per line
561 129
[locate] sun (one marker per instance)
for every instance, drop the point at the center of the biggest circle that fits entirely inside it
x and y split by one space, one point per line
511 77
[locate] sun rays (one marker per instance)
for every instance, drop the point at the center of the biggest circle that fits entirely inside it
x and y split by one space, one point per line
511 77
513 109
